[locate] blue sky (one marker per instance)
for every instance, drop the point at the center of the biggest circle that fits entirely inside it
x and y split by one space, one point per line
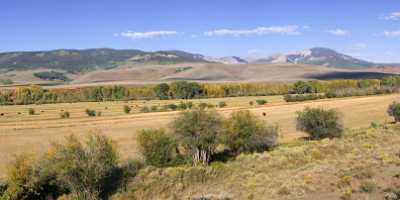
368 29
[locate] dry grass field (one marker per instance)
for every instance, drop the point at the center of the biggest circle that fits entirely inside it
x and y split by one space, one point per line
21 132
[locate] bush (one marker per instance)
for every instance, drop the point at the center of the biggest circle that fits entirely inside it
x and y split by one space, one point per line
244 133
203 106
64 115
251 103
394 111
157 148
127 109
182 106
145 109
154 108
221 104
28 179
86 169
189 105
52 75
171 106
90 113
261 101
199 131
302 97
319 123
31 111
162 91
301 87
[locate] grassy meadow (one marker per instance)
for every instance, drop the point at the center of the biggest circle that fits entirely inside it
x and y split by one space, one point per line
21 132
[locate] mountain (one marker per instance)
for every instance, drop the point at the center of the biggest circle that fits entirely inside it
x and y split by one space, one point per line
89 59
227 60
319 56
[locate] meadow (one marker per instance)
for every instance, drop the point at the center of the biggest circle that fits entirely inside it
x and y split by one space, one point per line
21 132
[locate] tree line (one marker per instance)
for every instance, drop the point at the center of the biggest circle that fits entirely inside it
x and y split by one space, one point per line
184 90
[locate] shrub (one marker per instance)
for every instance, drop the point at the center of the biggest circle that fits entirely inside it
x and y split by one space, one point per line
394 111
319 123
157 148
52 75
301 87
162 91
145 109
171 106
203 105
251 103
302 97
182 106
261 101
31 111
64 115
244 132
99 113
28 179
154 108
86 168
221 104
199 131
127 109
189 105
90 113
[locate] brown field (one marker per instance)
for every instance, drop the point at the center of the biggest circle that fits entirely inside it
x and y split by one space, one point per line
33 133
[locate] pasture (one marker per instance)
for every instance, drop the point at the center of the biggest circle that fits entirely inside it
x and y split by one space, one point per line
21 132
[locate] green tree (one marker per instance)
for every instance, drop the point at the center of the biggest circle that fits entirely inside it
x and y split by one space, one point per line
244 132
85 168
199 131
127 109
162 91
394 111
157 148
302 87
185 90
319 123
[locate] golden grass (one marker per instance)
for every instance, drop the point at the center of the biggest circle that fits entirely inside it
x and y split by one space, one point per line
33 133
363 164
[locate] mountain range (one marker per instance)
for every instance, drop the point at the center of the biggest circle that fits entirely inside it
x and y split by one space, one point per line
89 59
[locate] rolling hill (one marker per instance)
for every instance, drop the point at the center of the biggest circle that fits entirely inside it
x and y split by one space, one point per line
112 66
75 61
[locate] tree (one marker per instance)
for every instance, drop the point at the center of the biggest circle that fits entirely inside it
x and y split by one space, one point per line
157 148
244 133
319 123
162 91
199 131
127 109
301 87
85 168
394 111
185 90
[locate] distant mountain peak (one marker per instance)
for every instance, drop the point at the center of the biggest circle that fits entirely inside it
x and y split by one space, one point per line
319 56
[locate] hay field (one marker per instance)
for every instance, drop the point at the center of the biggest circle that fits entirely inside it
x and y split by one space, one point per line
33 133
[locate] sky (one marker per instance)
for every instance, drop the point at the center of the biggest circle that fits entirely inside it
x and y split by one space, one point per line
367 29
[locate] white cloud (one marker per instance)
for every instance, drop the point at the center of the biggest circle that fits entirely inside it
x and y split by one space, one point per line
259 31
147 35
392 33
392 16
339 32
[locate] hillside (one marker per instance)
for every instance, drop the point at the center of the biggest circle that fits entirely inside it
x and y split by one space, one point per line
364 164
111 66
75 61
